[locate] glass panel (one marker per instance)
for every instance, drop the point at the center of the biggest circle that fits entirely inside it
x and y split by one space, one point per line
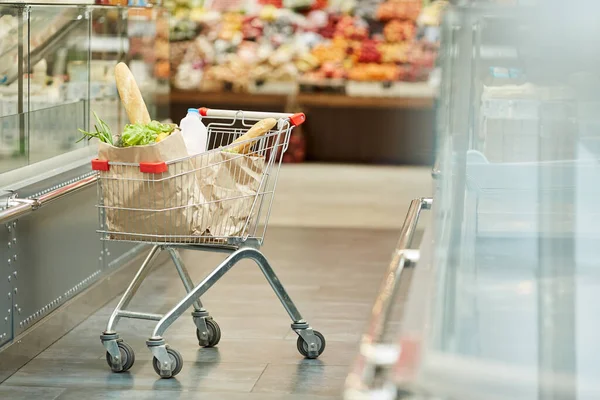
10 155
53 129
148 32
56 66
59 79
517 231
109 46
13 87
12 27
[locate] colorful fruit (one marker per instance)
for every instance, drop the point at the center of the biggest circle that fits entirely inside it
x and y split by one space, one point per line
399 9
374 72
398 31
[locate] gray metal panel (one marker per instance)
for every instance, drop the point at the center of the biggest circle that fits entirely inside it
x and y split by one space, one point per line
59 255
6 301
40 336
117 253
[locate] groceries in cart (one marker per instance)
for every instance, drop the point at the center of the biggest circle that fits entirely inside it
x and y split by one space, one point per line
162 183
194 132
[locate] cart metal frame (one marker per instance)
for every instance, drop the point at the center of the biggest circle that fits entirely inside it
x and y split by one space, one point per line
167 361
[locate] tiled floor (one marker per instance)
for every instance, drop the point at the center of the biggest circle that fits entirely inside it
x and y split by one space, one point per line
331 272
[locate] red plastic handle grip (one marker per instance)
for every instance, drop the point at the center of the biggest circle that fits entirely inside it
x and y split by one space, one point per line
154 168
297 119
100 165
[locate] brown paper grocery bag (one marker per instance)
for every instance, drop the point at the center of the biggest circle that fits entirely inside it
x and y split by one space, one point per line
212 195
150 207
230 184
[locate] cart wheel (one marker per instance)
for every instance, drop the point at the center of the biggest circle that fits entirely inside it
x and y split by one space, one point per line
127 357
176 366
303 346
214 334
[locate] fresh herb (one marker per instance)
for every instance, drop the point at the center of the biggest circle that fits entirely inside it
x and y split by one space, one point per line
133 134
102 133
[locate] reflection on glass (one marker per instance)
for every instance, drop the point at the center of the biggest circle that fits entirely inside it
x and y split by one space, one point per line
56 69
54 130
517 226
108 47
148 33
10 155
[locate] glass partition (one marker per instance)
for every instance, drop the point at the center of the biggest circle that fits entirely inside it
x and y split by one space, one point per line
109 46
58 62
14 40
56 70
517 229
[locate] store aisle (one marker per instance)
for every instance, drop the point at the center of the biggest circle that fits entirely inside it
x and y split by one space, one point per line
352 196
331 273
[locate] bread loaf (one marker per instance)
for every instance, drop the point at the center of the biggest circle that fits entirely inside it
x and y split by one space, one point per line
259 129
130 95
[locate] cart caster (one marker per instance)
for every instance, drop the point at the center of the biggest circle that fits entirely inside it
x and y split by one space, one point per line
213 333
176 364
303 346
127 358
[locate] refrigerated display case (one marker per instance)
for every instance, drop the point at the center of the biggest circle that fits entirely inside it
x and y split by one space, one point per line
56 70
502 298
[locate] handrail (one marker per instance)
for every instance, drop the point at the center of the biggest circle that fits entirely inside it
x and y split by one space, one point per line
373 352
17 208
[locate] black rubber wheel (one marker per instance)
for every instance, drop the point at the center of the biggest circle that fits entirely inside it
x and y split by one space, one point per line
214 334
175 367
127 357
303 346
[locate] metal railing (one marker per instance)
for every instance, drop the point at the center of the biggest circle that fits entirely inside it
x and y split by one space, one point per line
374 354
17 208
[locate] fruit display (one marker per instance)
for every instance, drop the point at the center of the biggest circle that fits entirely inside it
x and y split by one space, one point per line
274 42
396 53
352 28
432 14
369 72
399 10
398 31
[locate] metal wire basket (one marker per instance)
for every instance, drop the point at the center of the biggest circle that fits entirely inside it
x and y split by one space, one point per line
216 197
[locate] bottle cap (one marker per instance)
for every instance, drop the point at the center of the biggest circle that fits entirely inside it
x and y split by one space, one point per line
193 110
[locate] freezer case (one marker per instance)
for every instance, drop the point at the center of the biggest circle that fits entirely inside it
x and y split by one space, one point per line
502 303
56 64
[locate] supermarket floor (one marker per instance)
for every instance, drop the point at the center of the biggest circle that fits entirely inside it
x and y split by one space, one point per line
332 232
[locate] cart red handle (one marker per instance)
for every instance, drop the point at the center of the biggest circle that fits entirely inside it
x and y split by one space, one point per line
145 167
295 119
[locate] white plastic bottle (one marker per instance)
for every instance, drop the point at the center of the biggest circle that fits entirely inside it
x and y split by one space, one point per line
194 132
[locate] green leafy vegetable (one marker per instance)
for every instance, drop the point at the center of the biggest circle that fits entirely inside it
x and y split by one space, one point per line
143 134
102 133
133 134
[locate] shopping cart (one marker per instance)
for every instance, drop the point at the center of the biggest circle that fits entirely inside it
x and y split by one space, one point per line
215 201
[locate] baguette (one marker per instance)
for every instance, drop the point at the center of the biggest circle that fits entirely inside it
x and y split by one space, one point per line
259 129
130 95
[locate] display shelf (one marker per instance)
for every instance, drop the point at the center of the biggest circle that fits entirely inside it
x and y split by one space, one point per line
193 97
345 101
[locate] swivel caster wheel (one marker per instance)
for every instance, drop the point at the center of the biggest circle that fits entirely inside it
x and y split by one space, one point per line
127 358
214 334
176 363
303 346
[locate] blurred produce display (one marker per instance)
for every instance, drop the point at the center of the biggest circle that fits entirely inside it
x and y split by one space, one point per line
276 44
